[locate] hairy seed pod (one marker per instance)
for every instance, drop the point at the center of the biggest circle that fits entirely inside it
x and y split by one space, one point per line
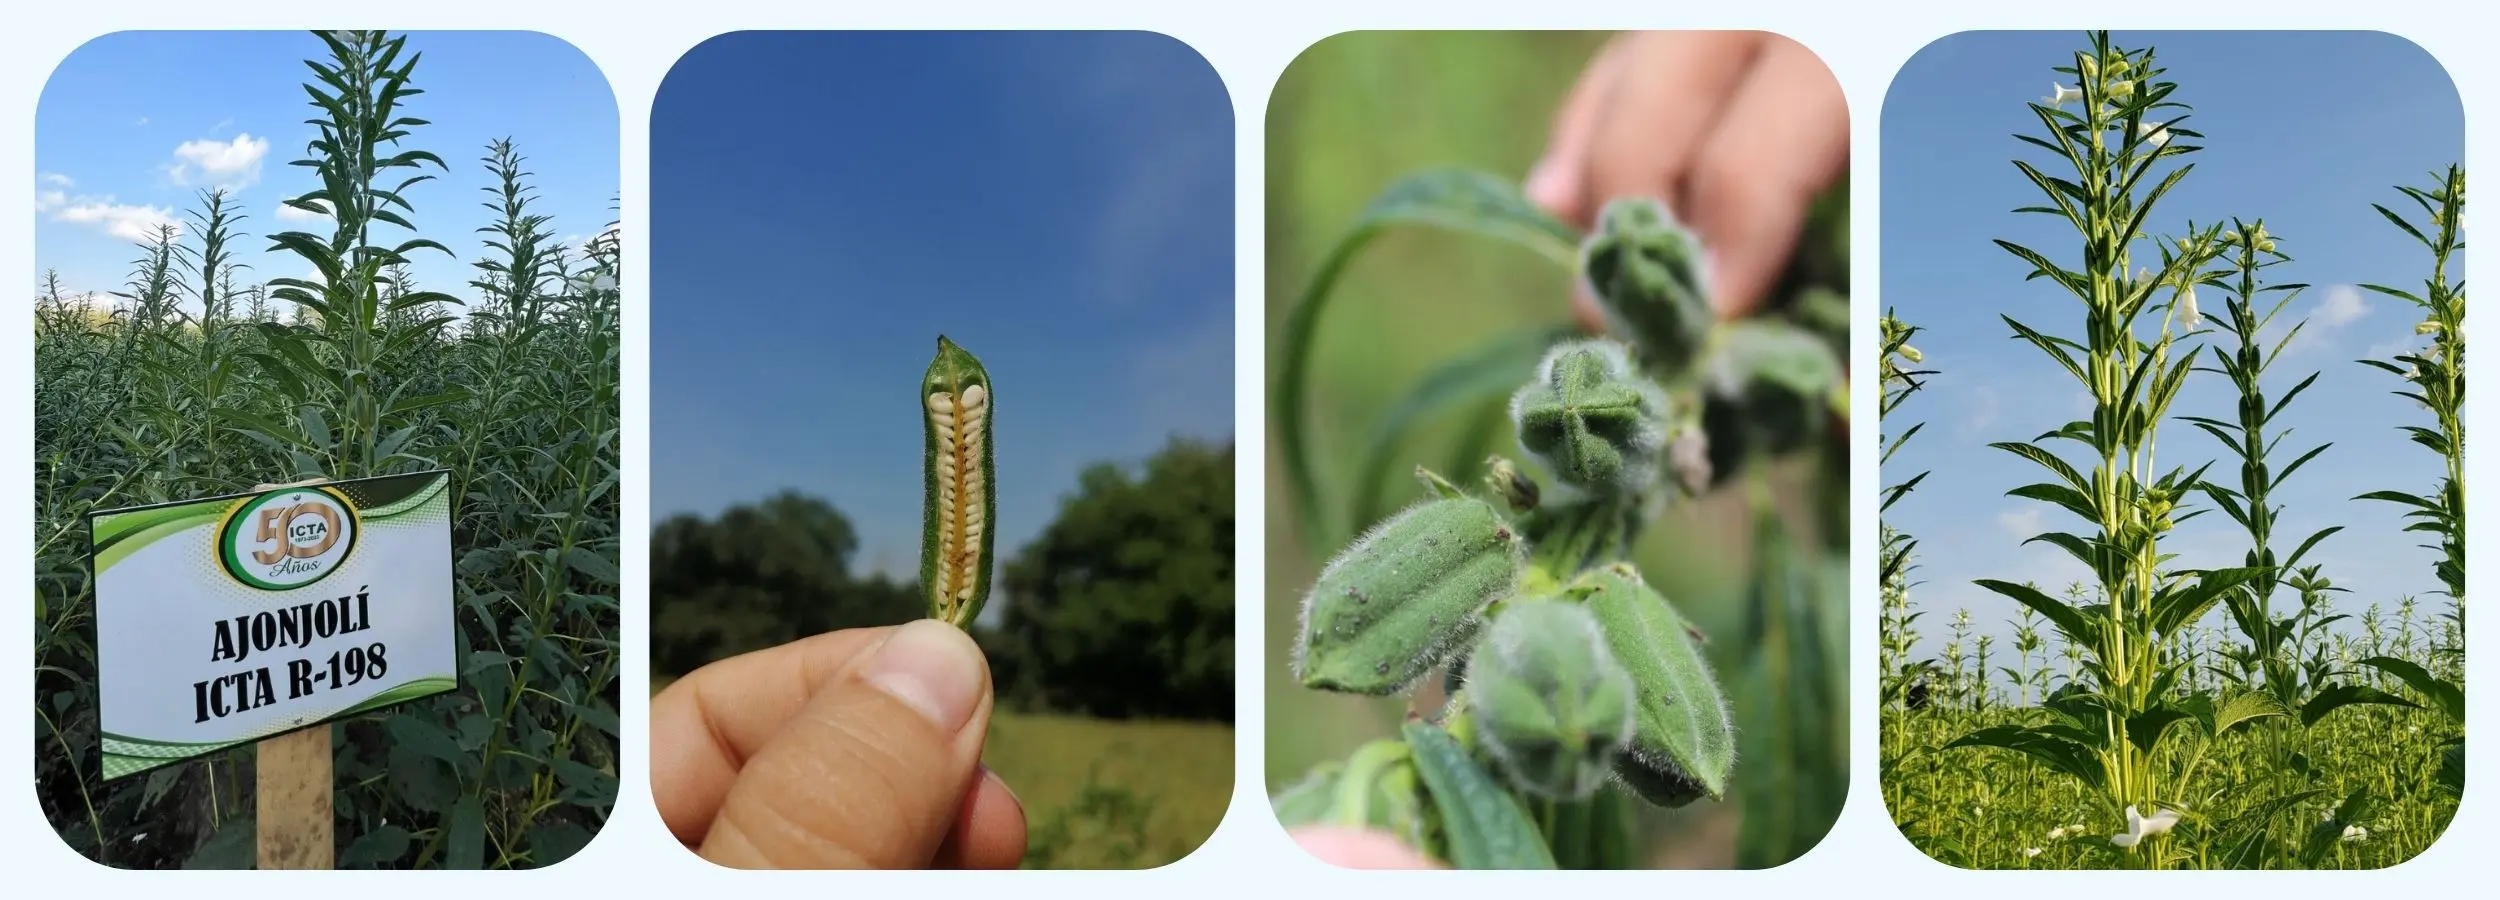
1649 274
1683 744
1779 380
1398 599
1550 701
961 503
1593 418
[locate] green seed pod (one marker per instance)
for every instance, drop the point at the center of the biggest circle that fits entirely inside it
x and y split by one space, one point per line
1402 596
1550 701
1650 276
1309 801
1593 418
1779 377
1683 744
961 502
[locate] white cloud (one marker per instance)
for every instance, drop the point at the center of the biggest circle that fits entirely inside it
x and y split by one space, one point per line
231 165
55 179
121 220
47 201
2021 523
2342 306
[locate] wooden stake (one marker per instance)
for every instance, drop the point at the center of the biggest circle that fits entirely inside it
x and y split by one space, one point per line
295 824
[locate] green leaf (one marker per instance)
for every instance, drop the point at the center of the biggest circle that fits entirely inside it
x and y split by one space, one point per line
233 846
2068 620
2059 752
1449 199
464 842
375 848
1486 826
599 568
426 738
2445 696
2180 607
2342 695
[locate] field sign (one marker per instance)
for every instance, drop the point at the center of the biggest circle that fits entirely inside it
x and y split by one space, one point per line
225 621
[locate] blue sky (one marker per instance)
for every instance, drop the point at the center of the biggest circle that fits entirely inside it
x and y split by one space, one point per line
133 125
2307 153
825 204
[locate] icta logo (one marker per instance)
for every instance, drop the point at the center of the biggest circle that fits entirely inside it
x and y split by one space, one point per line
287 539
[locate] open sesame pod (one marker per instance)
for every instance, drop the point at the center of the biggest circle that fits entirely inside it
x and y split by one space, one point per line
1683 744
1406 593
961 506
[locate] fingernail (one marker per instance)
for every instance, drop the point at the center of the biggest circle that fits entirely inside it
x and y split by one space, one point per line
932 667
1544 185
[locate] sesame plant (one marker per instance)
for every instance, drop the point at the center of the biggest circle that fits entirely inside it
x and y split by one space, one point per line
200 380
1554 693
2209 715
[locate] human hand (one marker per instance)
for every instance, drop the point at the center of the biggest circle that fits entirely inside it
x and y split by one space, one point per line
1360 848
1736 130
849 750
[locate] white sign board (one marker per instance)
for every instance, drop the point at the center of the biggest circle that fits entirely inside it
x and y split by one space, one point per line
225 621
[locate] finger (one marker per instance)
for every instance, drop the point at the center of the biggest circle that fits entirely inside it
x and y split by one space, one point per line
1673 89
873 772
1784 139
705 726
1554 183
989 832
1358 848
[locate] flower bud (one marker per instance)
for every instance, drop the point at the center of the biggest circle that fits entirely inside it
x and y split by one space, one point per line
1550 701
1683 744
1648 273
1592 417
1400 597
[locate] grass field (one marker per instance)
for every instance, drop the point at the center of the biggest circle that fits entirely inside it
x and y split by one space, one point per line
1108 794
1105 794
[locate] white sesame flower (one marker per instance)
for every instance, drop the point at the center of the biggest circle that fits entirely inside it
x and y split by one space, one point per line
2139 827
2029 852
2187 308
2157 135
2061 95
2057 832
2356 833
2413 373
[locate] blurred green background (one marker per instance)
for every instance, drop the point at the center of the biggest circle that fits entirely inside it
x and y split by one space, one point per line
1349 117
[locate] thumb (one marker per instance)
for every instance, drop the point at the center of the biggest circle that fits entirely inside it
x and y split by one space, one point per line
871 773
